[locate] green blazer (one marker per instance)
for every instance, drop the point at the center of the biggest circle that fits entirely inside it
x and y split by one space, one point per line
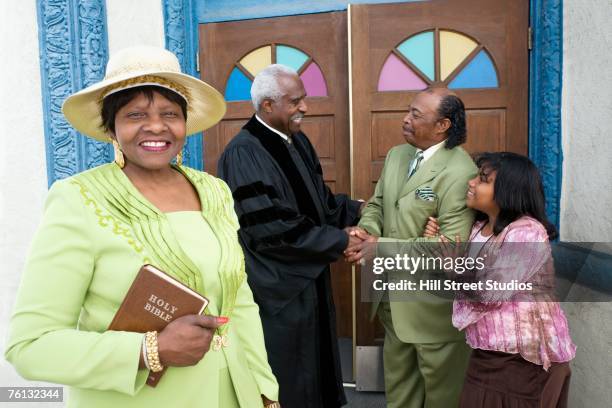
398 215
96 233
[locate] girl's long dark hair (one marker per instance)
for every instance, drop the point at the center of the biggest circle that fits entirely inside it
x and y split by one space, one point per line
518 190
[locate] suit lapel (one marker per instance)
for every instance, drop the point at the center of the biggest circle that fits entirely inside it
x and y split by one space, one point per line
403 166
426 172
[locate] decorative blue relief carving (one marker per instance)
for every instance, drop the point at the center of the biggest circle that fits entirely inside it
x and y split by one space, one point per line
73 54
545 99
56 79
93 57
181 35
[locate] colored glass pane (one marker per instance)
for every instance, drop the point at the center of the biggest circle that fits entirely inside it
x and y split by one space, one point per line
397 76
454 48
291 57
313 80
479 73
419 50
238 86
257 60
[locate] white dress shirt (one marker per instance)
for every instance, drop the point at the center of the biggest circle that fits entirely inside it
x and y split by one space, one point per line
427 153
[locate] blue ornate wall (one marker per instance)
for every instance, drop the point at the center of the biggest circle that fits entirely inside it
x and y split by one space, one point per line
181 34
73 53
545 83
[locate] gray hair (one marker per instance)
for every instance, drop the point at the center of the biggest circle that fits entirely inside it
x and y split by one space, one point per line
265 84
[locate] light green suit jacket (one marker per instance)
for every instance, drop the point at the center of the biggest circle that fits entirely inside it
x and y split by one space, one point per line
83 260
398 215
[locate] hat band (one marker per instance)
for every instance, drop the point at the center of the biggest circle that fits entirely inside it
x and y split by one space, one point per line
144 80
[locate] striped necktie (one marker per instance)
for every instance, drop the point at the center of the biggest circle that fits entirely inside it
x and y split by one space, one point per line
414 165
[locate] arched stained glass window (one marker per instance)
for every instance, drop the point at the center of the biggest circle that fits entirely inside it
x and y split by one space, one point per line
461 63
238 87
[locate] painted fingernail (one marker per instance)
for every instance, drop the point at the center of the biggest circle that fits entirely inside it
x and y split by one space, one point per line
222 319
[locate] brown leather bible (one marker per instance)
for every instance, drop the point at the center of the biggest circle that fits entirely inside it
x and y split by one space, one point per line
153 301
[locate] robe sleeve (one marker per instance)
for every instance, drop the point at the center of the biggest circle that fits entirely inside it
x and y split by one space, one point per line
270 225
44 342
340 210
346 211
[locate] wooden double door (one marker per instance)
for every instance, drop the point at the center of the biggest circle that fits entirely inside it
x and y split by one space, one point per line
361 68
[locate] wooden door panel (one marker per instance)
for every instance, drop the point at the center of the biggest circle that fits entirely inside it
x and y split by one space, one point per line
386 133
320 131
223 47
230 128
486 129
486 35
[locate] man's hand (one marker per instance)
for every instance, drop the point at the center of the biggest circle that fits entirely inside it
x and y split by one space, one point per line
363 250
354 234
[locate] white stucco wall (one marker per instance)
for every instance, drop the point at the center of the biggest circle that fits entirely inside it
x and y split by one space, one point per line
586 204
23 177
134 22
586 200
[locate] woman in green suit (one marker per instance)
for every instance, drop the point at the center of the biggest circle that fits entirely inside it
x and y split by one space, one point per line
100 226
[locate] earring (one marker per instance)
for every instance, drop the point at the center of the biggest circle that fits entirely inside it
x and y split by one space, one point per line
179 158
119 159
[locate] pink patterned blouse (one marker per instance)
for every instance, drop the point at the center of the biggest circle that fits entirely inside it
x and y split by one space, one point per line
529 322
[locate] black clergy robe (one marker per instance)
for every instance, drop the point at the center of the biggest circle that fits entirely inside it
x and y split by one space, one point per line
291 230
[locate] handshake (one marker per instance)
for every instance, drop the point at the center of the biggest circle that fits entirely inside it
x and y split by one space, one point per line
361 245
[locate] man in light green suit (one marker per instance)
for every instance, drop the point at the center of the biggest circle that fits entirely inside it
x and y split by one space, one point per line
424 355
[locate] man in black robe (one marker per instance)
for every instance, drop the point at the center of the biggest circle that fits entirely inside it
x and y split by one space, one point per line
292 228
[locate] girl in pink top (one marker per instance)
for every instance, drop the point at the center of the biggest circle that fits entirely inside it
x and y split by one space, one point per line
520 337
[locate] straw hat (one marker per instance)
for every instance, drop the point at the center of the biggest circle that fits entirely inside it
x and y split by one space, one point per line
138 66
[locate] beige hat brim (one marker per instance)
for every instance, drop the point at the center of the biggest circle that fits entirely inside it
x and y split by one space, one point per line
205 108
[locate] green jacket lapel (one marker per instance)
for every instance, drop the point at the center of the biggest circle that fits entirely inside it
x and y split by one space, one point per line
403 167
427 171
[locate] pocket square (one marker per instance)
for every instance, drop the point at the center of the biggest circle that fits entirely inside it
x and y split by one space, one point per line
426 194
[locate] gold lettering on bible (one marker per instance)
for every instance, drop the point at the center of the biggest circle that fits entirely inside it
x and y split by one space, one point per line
160 308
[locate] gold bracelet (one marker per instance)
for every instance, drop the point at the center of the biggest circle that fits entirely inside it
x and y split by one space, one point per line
274 404
144 353
153 352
